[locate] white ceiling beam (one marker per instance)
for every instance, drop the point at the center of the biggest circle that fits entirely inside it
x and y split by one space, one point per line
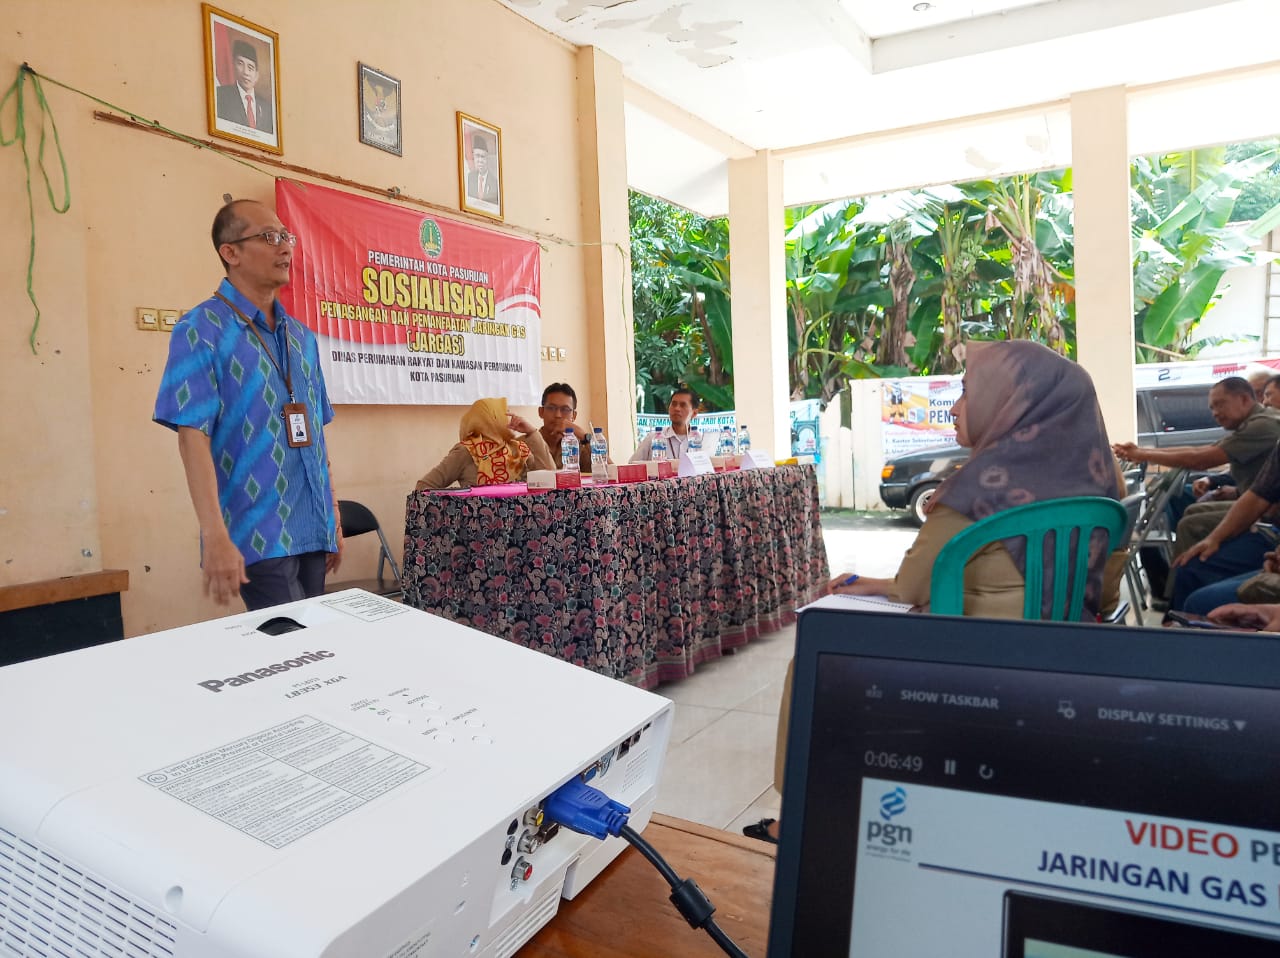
1019 27
685 122
835 21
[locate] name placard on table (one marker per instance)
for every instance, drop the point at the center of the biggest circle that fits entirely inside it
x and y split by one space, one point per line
696 464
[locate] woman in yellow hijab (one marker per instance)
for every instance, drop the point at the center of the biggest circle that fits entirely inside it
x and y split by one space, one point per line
495 446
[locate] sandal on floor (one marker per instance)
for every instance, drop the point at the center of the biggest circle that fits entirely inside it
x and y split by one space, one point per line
760 830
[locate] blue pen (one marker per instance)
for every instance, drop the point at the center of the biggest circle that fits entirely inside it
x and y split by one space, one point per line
851 580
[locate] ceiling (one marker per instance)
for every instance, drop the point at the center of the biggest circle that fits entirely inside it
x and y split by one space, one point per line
709 80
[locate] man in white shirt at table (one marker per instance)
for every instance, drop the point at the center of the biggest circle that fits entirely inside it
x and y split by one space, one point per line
680 409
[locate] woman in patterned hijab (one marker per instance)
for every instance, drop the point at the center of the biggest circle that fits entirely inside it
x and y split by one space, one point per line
1033 423
494 447
1031 418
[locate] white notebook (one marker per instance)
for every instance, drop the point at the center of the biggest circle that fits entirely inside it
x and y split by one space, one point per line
862 603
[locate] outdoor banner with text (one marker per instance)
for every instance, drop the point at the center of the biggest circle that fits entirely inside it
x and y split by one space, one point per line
410 308
916 413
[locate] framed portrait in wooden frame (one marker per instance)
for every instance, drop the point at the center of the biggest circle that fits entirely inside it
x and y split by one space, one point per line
242 80
480 185
379 110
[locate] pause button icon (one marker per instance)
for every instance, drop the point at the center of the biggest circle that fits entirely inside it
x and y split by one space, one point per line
949 766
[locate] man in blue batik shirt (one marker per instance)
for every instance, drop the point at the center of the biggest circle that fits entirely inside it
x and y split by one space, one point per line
244 391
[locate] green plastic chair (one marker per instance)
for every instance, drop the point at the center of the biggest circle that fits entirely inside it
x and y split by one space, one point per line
1034 521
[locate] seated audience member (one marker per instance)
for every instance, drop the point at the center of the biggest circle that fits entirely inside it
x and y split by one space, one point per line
680 409
1255 586
495 447
1233 549
1033 422
558 412
1257 380
1270 394
1252 432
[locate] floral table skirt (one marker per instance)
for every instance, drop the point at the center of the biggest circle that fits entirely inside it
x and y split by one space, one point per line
639 582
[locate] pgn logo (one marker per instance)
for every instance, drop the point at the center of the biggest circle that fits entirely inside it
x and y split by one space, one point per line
893 803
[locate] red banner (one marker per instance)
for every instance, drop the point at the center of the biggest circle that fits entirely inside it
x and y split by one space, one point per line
409 307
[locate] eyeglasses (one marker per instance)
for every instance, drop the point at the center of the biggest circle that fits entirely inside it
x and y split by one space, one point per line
560 410
272 237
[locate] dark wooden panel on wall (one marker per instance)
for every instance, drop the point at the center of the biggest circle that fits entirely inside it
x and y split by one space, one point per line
59 615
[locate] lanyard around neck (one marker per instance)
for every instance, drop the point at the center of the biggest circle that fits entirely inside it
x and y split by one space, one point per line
286 373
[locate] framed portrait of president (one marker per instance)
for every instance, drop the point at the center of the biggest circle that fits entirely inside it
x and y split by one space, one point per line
480 186
242 80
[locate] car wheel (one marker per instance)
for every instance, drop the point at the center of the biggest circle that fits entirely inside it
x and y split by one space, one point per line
920 500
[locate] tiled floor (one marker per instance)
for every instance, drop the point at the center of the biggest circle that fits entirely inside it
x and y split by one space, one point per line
720 762
719 767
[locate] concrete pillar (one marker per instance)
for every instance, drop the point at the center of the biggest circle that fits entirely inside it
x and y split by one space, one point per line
759 283
606 233
1104 259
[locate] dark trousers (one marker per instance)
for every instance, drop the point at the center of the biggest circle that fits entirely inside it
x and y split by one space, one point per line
1235 556
1207 598
277 581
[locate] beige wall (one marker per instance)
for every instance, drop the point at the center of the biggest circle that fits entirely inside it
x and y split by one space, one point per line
87 481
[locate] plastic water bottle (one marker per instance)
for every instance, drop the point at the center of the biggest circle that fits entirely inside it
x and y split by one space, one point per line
599 456
744 441
570 451
726 447
695 439
658 448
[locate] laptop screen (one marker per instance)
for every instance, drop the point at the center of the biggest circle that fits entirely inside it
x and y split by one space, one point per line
971 787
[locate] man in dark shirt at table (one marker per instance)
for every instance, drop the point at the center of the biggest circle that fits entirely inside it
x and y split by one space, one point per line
558 412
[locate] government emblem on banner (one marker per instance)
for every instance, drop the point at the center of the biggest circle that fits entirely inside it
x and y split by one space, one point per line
431 238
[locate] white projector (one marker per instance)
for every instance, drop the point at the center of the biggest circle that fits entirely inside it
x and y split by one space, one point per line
369 786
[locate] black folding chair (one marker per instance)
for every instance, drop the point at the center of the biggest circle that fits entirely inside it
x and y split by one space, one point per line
358 520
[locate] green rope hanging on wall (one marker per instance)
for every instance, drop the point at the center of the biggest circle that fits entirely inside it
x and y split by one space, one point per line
17 92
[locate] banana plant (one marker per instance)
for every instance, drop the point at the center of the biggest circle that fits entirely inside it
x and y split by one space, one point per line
1183 246
681 304
834 296
1032 214
906 218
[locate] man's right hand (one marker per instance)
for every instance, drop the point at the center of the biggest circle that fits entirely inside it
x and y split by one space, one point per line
223 569
1128 451
1201 550
1200 486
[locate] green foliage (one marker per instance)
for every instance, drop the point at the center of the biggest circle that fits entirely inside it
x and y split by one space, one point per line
835 297
680 295
1183 205
1262 192
894 285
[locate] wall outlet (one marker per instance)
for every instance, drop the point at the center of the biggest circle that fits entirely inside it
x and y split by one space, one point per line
168 320
148 318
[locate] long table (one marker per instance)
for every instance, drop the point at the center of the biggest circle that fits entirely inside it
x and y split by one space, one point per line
640 581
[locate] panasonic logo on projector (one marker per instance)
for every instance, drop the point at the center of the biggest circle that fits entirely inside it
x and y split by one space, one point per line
265 672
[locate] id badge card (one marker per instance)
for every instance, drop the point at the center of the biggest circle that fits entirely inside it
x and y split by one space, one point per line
296 424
